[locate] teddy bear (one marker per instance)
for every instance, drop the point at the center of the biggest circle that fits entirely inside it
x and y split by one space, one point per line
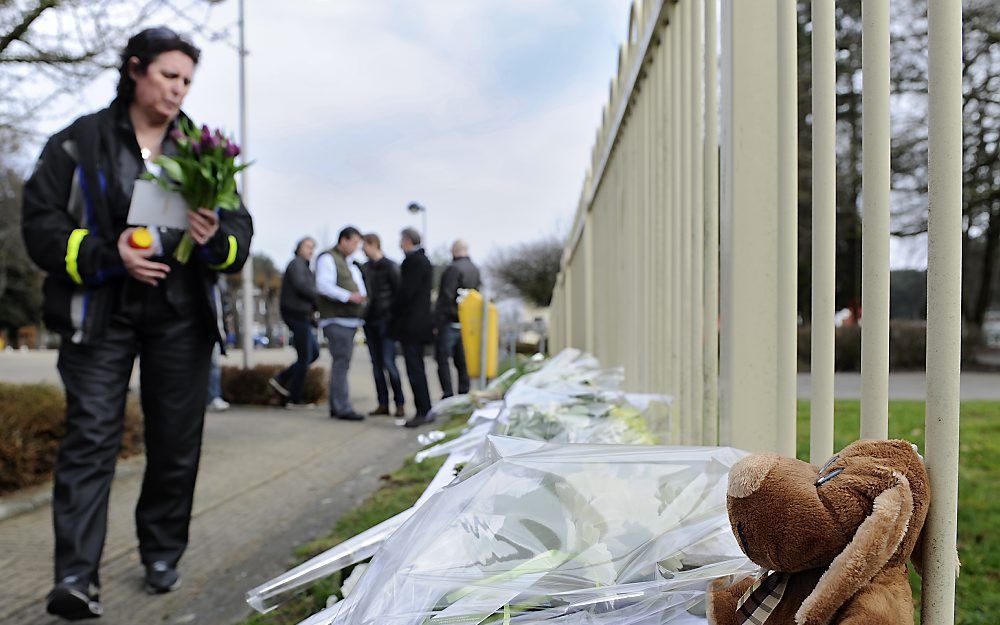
832 542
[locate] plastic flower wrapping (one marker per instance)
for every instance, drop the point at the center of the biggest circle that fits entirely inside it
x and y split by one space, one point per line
573 517
572 399
542 532
272 593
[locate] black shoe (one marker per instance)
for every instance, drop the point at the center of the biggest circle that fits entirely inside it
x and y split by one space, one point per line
382 410
348 416
161 577
400 411
418 420
74 600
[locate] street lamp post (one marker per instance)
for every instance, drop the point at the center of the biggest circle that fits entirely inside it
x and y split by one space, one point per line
415 208
247 274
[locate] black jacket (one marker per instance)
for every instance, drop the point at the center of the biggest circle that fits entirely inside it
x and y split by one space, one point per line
298 287
460 274
411 309
75 207
382 282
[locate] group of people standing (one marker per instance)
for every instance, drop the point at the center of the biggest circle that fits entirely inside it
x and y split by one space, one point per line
392 303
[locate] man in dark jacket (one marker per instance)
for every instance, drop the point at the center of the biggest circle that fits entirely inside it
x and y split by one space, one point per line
382 279
460 274
298 301
411 322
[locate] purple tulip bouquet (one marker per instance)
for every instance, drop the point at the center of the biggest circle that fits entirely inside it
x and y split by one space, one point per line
203 172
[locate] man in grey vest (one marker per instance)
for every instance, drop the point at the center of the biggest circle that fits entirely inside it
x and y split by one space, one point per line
341 301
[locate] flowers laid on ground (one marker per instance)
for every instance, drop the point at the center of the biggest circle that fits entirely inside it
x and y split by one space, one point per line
543 532
553 505
203 172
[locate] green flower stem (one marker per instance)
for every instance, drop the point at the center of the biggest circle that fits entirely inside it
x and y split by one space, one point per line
184 248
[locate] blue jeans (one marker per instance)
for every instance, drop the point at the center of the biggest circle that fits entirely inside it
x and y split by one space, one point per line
449 345
306 348
215 375
383 353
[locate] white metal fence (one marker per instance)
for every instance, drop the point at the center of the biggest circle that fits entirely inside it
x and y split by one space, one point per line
696 297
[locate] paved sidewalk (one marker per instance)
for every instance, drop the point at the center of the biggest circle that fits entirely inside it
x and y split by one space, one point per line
270 479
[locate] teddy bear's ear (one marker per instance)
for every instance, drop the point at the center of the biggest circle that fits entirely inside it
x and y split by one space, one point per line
874 543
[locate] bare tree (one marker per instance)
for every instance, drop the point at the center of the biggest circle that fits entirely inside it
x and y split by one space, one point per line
527 270
51 48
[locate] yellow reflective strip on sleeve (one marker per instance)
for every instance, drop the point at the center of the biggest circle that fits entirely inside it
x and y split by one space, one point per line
230 259
72 252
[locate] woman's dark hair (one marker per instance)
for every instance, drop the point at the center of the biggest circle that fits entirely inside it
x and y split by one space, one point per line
146 45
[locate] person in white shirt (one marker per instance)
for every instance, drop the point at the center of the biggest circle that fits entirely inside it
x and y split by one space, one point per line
341 301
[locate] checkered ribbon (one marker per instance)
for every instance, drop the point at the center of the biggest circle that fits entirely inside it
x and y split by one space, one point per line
761 598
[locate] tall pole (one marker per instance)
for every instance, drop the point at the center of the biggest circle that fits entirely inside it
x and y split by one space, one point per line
246 323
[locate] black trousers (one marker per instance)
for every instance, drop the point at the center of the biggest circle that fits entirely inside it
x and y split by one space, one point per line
449 346
413 356
382 350
174 348
293 377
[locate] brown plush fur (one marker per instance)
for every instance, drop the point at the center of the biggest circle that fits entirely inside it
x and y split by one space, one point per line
845 541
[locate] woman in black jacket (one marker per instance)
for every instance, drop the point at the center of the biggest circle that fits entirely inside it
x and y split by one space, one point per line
111 303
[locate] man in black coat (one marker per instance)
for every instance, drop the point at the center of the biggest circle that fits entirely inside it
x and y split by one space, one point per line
412 324
382 278
298 302
460 274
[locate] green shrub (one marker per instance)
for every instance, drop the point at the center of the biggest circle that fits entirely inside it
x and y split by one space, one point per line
32 423
907 346
250 386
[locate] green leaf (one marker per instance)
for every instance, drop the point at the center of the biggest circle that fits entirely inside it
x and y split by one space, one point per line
172 168
228 201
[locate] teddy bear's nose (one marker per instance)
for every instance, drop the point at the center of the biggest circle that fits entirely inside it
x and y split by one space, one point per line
748 474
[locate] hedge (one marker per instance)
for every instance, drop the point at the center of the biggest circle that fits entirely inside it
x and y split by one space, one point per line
907 346
32 423
250 386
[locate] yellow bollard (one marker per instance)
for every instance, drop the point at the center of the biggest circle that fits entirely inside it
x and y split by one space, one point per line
470 315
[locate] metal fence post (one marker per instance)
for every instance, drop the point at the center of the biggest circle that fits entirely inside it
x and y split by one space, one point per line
944 297
748 384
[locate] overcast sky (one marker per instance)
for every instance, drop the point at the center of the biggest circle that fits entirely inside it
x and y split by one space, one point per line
484 112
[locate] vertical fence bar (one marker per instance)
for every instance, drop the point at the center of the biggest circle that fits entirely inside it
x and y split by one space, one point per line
711 156
649 238
659 210
824 228
677 296
788 224
663 210
684 31
944 297
875 224
588 281
748 261
697 223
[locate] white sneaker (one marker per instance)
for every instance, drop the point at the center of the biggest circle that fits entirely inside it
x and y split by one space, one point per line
218 405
